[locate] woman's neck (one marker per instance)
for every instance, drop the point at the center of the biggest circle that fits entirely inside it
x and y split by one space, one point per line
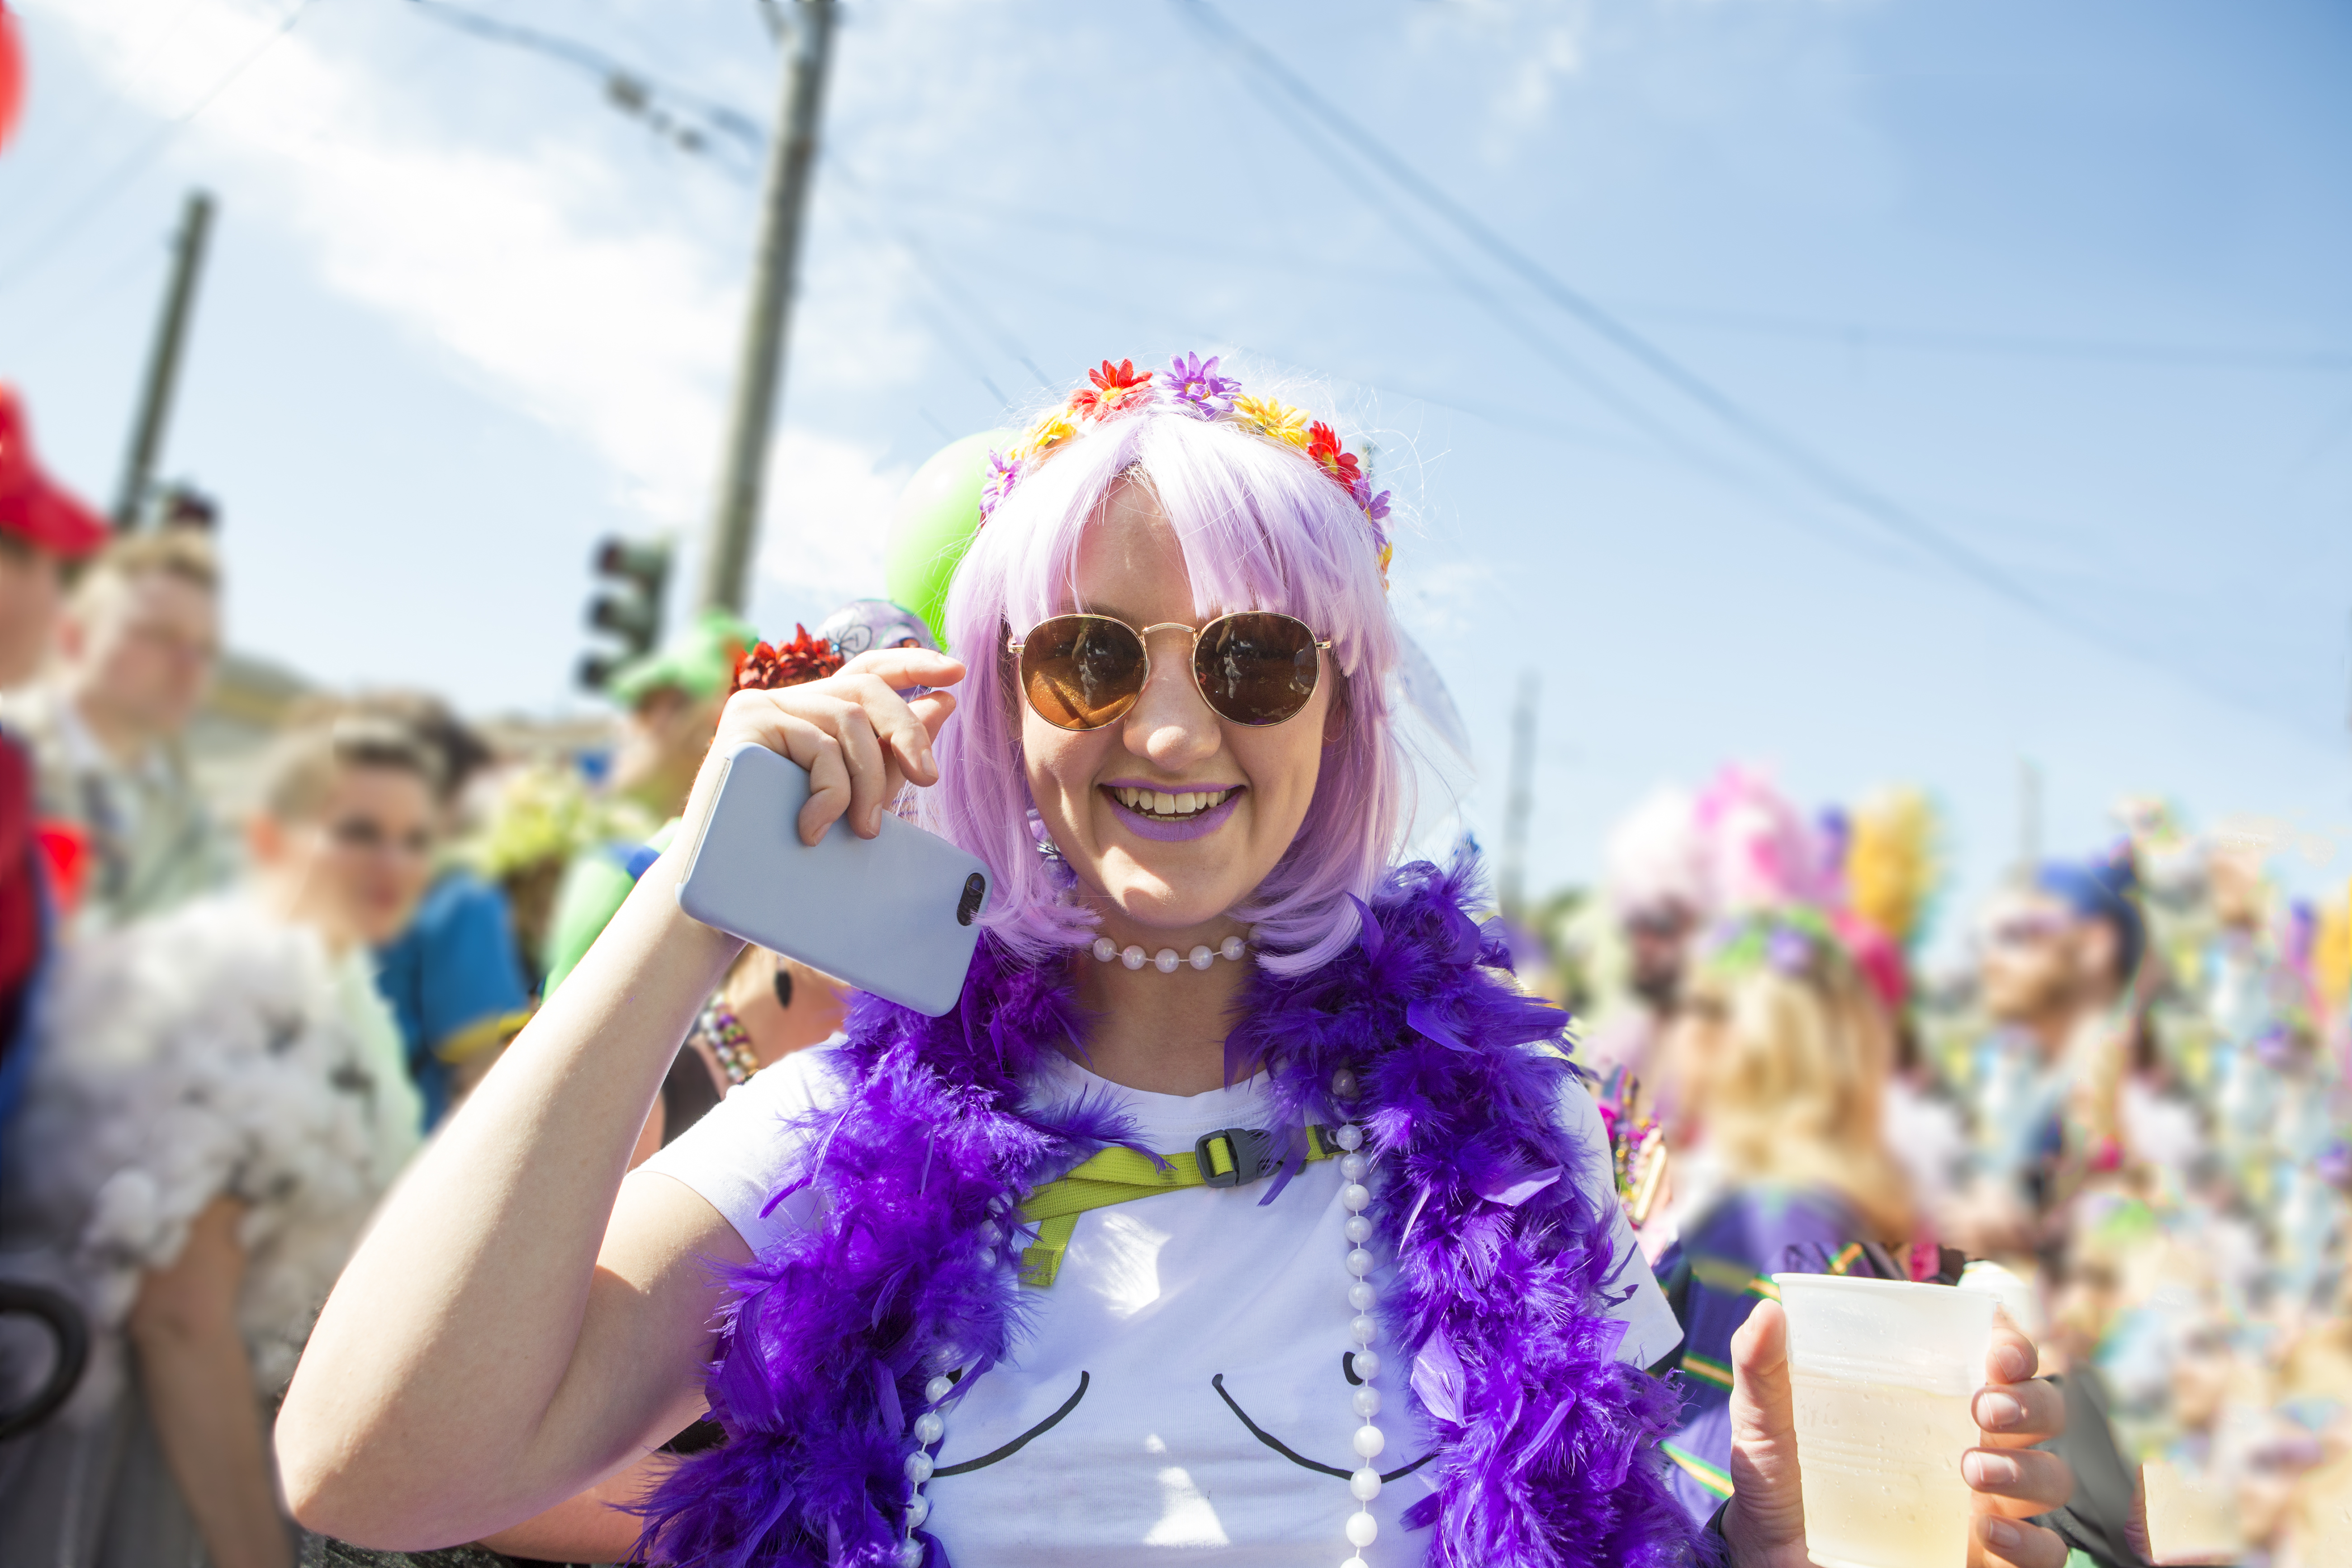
1163 1034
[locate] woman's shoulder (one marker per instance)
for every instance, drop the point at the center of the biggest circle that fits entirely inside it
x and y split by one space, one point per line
743 1153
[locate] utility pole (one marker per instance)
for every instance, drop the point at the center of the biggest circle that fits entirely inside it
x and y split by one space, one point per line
163 362
2029 818
792 153
1519 805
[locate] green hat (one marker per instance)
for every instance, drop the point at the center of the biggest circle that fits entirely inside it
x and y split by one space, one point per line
699 661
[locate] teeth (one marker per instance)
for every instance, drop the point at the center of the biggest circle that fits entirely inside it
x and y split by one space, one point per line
1160 803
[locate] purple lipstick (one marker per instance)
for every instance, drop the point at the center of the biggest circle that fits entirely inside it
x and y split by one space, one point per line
1171 829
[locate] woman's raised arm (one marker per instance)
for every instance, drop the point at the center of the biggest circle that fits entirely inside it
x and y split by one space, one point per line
518 1323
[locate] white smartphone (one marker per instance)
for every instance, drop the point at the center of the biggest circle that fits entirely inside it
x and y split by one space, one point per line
893 914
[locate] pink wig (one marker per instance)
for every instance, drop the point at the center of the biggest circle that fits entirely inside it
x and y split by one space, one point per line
1762 850
1261 528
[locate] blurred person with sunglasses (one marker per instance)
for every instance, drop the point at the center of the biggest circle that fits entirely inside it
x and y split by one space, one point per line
44 530
2058 959
218 1103
1782 1065
454 976
1657 889
1061 1277
133 658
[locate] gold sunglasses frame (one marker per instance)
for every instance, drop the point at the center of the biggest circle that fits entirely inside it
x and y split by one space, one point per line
1322 645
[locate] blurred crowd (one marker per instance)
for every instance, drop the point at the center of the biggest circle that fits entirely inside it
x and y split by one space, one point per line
228 1023
2123 1111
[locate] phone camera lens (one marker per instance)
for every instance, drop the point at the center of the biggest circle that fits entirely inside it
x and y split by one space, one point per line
975 888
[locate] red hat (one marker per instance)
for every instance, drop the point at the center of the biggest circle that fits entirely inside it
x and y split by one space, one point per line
34 507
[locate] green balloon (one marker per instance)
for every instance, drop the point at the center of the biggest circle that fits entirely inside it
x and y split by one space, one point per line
938 514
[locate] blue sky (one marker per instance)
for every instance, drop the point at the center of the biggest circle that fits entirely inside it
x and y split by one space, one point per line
2067 286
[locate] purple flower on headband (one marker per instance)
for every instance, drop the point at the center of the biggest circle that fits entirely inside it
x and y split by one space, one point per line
1376 507
1197 385
1789 951
1001 472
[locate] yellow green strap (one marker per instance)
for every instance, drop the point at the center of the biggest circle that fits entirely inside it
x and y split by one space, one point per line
1120 1175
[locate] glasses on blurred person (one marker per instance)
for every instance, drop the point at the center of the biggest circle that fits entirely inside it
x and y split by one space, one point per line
365 836
2024 930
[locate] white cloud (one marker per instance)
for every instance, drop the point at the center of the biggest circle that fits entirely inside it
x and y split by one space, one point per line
828 505
551 277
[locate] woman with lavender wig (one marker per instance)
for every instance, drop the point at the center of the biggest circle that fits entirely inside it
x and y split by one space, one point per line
1243 1209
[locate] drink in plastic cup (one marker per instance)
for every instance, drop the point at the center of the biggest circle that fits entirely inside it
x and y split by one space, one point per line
2193 1515
1883 1371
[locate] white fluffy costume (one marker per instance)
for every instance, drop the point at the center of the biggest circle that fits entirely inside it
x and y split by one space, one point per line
215 1052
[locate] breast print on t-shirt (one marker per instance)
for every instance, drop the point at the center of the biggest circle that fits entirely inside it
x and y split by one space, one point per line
1182 1386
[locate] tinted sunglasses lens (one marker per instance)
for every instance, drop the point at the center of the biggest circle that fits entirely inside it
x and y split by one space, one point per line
1256 668
1081 672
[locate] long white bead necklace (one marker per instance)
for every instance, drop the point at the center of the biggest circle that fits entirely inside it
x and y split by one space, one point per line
1363 1329
931 1426
1168 960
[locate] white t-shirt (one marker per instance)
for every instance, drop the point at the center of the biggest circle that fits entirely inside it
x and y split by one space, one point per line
1156 1298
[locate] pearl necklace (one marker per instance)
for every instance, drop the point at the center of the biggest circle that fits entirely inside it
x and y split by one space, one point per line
1168 960
1363 1329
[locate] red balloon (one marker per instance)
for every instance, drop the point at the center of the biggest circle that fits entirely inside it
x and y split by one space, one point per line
12 74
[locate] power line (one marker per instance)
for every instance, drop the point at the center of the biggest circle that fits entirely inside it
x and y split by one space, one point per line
1812 468
1859 334
32 258
940 277
631 91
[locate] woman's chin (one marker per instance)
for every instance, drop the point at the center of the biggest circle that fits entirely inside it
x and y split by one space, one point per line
1146 904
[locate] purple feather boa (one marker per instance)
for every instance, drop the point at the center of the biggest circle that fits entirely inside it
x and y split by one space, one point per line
1548 1443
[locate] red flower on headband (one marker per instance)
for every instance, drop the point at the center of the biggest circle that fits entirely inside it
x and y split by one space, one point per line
1115 388
799 661
1323 446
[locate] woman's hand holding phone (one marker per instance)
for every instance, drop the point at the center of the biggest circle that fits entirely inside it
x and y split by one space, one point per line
857 738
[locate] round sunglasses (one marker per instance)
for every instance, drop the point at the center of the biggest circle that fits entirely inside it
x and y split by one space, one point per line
1082 672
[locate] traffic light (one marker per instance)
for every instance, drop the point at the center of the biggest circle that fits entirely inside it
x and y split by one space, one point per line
630 606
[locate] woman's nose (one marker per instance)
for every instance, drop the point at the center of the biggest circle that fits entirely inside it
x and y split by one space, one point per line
1171 723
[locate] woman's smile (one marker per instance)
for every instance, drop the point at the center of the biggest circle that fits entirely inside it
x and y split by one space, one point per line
1165 815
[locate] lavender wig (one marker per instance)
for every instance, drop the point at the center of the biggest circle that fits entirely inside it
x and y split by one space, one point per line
1261 528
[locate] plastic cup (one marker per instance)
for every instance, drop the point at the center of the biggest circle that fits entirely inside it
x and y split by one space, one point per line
1884 1373
2193 1514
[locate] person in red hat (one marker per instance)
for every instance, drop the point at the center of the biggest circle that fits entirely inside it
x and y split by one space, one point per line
42 528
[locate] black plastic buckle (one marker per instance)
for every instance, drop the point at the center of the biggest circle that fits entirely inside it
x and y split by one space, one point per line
1254 1156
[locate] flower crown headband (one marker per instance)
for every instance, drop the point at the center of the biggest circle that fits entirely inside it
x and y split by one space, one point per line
1796 942
1194 387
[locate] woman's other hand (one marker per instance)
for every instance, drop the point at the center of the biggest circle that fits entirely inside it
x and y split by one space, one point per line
1765 1522
858 739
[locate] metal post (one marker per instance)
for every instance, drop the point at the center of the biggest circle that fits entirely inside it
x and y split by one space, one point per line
2029 818
1519 805
163 362
791 151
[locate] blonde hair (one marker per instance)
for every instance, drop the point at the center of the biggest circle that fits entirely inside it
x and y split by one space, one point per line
299 773
182 553
1794 1088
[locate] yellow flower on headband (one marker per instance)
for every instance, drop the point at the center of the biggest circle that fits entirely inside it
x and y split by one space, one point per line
1278 420
1050 431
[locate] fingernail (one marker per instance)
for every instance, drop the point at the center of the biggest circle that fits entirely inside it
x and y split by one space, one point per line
1984 1469
2011 1364
1999 1412
2001 1535
924 762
